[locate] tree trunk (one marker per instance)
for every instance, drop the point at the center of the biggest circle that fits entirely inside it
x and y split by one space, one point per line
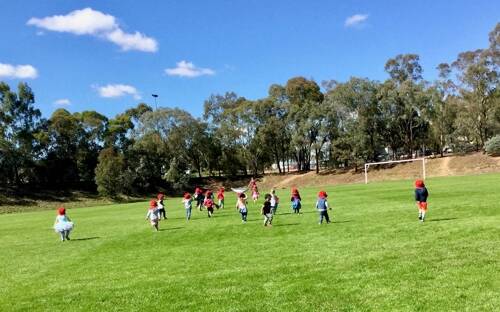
317 161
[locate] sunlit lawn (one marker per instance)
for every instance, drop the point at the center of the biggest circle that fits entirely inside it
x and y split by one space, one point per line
376 256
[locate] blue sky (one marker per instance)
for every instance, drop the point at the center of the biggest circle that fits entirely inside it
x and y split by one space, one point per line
110 55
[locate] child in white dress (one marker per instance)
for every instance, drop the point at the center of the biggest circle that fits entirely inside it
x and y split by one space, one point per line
153 214
63 224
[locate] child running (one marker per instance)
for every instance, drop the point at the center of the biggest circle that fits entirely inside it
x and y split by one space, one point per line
274 201
241 206
220 198
322 207
161 206
266 210
295 199
153 214
209 203
63 224
198 196
187 201
254 189
421 195
255 194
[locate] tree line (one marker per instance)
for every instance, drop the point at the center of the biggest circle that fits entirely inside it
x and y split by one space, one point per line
300 124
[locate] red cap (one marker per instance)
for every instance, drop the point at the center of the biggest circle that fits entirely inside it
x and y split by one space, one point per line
294 190
322 194
152 203
419 183
61 211
187 196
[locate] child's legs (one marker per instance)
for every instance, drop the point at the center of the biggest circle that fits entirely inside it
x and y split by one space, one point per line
327 217
320 216
188 213
268 219
66 234
244 216
63 235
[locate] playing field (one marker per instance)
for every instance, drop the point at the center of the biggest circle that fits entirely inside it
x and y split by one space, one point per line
376 256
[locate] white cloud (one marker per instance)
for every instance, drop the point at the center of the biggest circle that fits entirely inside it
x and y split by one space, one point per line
118 90
95 23
18 71
62 102
355 20
79 22
187 69
135 41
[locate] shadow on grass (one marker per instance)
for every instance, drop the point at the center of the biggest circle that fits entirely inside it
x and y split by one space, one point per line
292 213
442 219
286 224
85 238
344 221
170 229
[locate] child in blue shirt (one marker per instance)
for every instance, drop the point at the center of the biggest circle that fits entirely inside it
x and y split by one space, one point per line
322 207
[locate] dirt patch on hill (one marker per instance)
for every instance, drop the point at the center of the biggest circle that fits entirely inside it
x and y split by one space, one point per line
447 166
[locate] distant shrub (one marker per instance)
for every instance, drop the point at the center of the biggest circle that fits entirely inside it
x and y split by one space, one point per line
492 146
462 148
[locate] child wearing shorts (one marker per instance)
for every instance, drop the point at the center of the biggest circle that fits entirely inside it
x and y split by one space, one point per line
421 195
209 204
266 210
241 206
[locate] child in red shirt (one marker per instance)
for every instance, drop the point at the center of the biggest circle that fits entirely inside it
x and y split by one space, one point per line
220 198
209 203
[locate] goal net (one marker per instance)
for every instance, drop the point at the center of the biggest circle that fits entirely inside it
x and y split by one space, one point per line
367 165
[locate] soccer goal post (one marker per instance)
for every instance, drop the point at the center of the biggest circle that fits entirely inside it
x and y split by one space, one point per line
393 162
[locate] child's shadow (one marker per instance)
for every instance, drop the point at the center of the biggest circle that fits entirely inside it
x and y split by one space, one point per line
287 224
170 229
85 238
442 219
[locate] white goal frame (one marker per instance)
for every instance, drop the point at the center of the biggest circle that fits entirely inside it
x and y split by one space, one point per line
392 162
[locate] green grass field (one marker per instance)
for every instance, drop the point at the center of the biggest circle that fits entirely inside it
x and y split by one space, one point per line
376 256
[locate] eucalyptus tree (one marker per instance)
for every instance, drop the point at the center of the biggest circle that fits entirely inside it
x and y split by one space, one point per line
305 104
478 80
406 104
20 124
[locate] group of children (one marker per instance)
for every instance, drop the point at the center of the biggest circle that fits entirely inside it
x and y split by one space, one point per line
63 224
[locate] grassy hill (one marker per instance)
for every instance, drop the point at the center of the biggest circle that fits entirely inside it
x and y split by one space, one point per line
376 256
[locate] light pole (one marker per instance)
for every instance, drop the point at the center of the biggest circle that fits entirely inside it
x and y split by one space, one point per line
156 104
